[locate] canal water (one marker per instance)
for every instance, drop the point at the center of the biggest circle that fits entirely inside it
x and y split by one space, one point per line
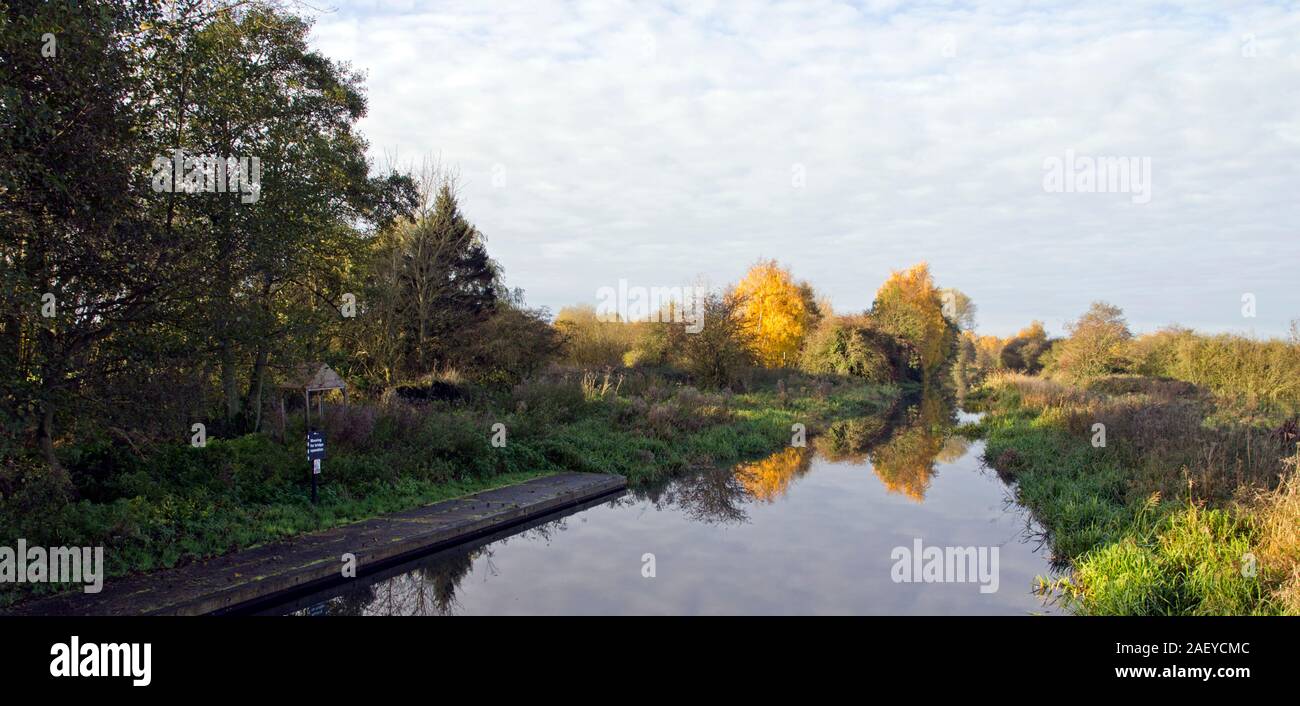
833 528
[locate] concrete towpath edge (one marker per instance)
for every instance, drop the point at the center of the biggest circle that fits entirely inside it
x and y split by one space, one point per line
309 562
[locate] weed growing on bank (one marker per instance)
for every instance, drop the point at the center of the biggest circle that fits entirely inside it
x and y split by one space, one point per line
1180 512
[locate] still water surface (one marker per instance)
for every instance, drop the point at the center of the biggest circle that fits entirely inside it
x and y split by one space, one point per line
804 531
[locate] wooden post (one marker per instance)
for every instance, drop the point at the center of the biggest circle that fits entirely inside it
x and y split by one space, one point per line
282 417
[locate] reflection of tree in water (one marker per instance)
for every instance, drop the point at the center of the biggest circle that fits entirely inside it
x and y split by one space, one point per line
905 463
718 495
428 590
954 447
849 441
902 451
770 478
712 496
901 447
431 588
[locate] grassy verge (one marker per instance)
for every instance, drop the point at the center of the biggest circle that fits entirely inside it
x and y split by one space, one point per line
175 504
1180 512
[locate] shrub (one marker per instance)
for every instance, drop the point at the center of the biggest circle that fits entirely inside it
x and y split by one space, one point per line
351 426
839 346
1024 352
396 421
597 387
587 341
646 381
718 354
559 400
1267 372
29 496
686 411
509 346
1277 514
651 346
96 467
434 390
1161 430
1097 345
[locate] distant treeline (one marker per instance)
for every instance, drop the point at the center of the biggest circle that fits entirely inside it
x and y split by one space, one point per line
1263 373
771 320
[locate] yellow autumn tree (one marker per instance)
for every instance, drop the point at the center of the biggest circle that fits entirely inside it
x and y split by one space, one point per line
775 312
910 307
988 353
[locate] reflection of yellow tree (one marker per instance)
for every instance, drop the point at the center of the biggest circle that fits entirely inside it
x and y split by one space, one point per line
770 478
905 464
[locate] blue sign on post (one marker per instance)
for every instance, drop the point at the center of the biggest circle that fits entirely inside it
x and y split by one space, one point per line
315 452
315 445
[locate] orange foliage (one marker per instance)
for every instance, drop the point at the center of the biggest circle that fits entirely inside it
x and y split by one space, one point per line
775 313
905 464
770 478
908 305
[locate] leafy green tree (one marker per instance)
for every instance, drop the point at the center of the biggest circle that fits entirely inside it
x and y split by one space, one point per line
83 263
433 281
280 262
510 345
148 281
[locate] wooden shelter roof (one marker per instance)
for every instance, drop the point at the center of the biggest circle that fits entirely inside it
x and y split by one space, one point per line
314 376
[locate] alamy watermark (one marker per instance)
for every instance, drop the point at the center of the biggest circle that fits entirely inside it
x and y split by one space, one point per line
1083 174
24 564
75 658
635 304
919 564
193 174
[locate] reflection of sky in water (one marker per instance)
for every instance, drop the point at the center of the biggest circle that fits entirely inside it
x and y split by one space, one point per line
819 546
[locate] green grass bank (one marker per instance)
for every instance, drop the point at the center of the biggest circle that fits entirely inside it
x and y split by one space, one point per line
1179 512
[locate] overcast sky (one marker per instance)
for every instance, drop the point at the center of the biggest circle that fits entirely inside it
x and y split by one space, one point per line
659 143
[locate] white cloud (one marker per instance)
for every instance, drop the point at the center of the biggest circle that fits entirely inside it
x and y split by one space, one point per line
656 143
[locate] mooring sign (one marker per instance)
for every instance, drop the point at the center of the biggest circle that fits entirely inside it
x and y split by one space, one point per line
315 446
315 452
